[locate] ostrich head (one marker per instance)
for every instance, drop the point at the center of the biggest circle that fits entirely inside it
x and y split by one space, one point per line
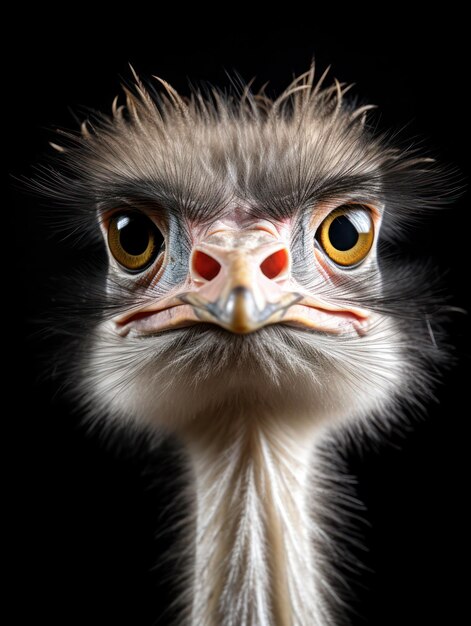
246 306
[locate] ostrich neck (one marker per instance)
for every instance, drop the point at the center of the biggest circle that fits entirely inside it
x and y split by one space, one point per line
254 561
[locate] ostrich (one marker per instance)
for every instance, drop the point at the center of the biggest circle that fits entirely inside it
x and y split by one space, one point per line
246 309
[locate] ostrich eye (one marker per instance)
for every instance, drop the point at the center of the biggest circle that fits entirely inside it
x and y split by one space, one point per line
346 234
134 240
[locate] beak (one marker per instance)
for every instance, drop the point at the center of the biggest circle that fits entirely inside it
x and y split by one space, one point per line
239 277
240 280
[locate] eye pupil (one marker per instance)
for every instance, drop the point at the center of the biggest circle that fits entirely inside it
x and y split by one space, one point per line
342 233
133 235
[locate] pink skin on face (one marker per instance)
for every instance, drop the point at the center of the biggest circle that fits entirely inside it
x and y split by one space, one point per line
240 279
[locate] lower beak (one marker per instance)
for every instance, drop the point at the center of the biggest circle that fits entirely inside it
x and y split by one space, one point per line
238 312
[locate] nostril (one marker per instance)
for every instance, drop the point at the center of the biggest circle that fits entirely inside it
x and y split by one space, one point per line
204 265
274 264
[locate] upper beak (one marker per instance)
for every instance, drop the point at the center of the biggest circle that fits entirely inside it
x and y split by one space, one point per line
239 275
241 280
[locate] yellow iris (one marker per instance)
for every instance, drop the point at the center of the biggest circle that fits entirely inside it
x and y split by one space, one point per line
133 240
346 234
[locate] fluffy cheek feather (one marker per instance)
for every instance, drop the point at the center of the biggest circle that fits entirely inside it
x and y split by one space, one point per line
195 373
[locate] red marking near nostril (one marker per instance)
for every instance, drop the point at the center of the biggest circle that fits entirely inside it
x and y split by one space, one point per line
207 267
275 264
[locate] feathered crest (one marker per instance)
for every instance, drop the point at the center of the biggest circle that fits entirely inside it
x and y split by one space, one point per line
194 155
303 98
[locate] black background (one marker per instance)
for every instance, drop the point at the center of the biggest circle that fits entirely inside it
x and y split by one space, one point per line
85 514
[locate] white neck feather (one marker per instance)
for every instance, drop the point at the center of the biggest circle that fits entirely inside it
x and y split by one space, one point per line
254 563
